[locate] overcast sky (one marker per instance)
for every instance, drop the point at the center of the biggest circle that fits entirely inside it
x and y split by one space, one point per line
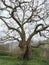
3 27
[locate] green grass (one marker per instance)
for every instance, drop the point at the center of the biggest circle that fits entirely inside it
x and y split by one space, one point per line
12 60
9 60
38 61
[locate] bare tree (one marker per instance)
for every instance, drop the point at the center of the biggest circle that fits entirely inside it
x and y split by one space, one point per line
25 12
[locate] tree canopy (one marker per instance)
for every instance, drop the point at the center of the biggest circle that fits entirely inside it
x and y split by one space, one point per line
23 12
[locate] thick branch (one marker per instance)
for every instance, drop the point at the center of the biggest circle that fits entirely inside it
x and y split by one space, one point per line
38 26
23 32
35 32
12 15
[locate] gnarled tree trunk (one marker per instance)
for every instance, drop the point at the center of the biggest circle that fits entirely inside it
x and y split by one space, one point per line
26 51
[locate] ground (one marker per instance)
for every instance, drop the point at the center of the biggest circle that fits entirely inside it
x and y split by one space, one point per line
10 59
13 60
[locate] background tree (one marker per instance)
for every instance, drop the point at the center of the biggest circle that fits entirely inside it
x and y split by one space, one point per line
19 14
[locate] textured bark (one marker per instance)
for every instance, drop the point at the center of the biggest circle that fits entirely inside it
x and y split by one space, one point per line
26 51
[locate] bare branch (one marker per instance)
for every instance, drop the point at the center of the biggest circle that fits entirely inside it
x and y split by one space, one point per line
37 31
33 12
4 17
42 3
3 1
12 15
9 27
38 26
2 8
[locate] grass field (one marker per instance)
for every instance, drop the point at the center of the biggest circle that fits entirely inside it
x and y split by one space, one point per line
12 60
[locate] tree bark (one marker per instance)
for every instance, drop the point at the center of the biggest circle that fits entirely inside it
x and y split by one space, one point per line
26 51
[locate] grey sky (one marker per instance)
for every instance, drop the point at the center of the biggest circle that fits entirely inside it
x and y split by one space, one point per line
3 27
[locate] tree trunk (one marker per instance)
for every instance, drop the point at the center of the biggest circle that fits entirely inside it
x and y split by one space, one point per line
26 51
